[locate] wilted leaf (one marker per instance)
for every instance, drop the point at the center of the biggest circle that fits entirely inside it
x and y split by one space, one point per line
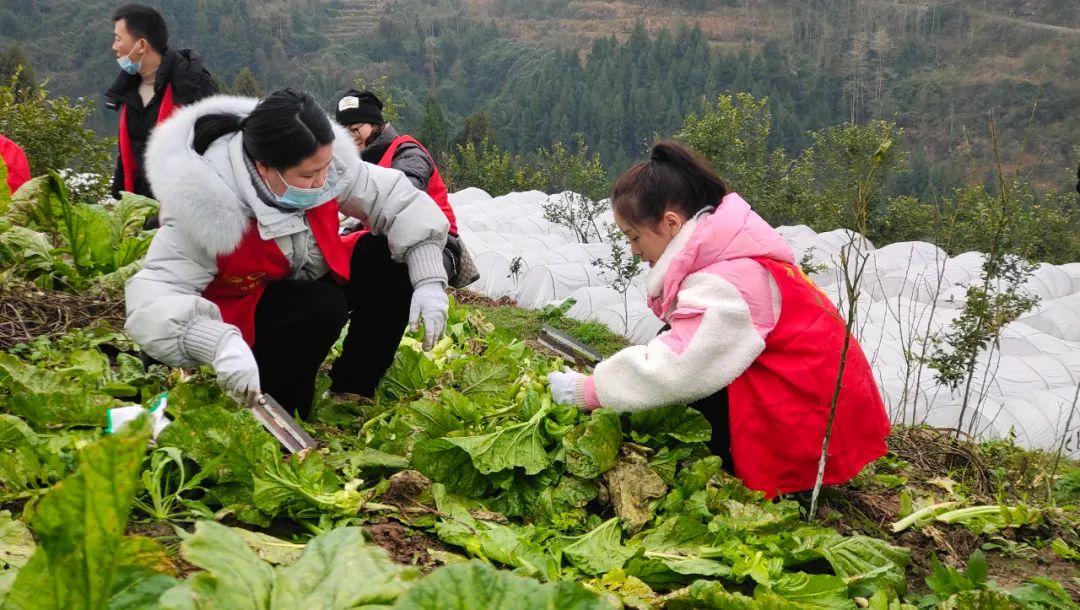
632 486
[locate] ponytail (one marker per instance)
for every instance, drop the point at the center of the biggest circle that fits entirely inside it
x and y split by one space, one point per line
211 127
285 128
673 178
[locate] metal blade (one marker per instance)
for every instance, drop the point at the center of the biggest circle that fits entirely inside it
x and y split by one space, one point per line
569 348
279 423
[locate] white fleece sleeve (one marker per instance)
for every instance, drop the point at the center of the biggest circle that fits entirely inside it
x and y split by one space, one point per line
712 340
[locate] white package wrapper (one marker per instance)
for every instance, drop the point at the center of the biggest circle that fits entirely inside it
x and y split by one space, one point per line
118 417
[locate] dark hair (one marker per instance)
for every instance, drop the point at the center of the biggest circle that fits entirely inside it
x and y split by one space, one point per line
285 128
142 21
673 178
376 133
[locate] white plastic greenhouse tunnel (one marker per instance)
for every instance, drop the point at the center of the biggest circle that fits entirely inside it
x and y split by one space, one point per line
1025 386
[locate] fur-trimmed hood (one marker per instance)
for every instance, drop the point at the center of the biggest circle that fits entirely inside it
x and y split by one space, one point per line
210 197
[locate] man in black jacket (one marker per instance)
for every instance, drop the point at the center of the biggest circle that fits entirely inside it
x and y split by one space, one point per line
153 81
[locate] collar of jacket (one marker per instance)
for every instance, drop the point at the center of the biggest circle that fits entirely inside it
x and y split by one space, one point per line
375 152
654 278
175 67
274 220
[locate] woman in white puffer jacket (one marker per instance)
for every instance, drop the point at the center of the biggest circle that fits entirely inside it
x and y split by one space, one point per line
248 272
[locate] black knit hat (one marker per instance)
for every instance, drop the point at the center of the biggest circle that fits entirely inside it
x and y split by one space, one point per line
359 107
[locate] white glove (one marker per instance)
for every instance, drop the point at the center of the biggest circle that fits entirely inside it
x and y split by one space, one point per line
430 302
237 371
564 386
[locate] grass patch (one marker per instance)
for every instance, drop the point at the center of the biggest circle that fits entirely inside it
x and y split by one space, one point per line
526 323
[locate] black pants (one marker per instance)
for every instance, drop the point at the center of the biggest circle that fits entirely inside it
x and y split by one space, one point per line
298 321
717 412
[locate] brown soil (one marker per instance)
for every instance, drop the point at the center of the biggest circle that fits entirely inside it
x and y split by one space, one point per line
166 535
406 546
467 297
406 489
933 457
1012 572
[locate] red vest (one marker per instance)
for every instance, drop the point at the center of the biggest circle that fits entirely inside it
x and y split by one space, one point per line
244 273
779 407
436 188
127 153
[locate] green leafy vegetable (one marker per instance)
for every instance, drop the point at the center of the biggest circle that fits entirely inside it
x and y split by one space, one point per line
593 446
516 446
599 550
677 422
83 559
476 586
49 399
818 590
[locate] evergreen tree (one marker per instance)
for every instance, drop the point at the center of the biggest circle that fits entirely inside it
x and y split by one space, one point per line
434 129
477 128
246 84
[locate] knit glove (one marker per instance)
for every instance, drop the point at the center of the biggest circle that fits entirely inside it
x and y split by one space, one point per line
565 387
237 371
429 301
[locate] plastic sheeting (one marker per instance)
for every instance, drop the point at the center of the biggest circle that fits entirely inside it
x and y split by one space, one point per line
1025 385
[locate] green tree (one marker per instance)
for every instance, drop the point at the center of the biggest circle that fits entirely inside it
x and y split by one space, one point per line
488 167
15 63
381 88
581 180
994 302
732 133
578 170
434 129
619 269
476 129
838 160
246 84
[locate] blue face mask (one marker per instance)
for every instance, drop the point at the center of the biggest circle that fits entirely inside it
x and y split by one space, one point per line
297 198
131 67
128 66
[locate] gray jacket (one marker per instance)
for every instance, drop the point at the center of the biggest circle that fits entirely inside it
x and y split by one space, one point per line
208 202
409 158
